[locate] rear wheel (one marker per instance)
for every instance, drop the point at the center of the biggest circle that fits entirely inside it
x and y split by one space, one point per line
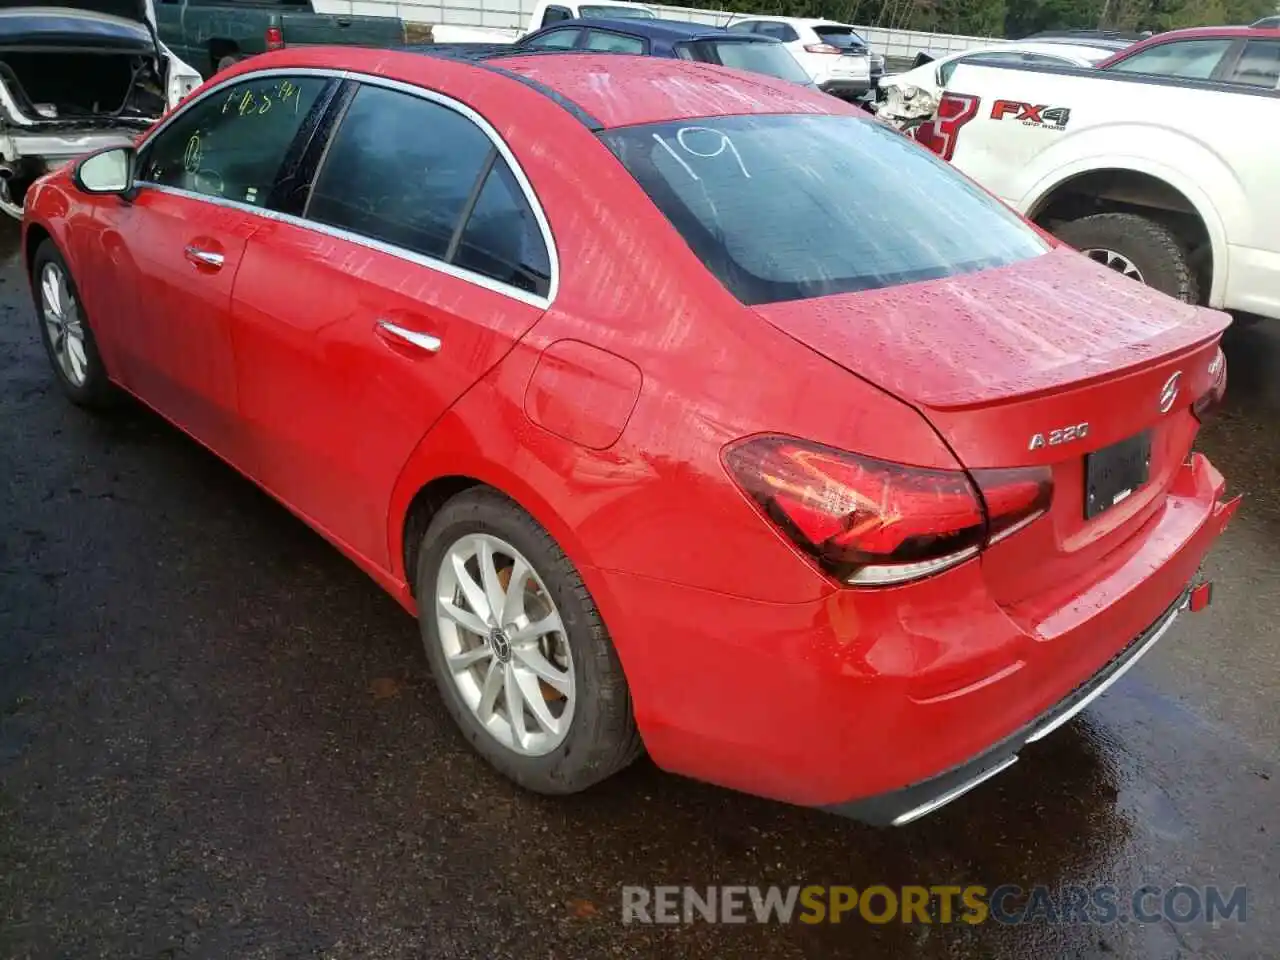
228 61
1137 247
65 332
522 659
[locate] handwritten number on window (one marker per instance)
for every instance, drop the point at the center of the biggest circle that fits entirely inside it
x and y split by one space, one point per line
703 143
248 103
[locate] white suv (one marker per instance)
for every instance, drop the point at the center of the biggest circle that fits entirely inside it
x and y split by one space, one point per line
838 60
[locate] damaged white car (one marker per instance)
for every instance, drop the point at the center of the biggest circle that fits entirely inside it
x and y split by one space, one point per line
76 76
906 100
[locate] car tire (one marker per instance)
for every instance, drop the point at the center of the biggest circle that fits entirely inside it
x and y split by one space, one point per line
1137 247
227 62
66 332
599 736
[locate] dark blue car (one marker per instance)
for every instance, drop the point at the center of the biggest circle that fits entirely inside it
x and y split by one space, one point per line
670 38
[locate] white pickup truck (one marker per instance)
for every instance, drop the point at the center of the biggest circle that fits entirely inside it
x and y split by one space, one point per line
1174 182
545 13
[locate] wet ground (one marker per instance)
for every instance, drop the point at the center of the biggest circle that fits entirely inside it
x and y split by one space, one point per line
218 739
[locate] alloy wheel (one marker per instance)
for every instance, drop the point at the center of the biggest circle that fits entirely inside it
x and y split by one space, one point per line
61 316
1116 261
504 644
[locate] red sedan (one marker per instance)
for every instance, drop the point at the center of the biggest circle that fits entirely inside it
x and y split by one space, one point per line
684 407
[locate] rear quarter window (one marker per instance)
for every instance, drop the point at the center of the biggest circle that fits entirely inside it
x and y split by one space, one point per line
791 207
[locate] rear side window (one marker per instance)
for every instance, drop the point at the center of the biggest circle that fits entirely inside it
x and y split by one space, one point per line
1043 60
742 26
791 207
1193 59
779 31
231 144
1259 65
555 14
502 239
607 42
553 39
417 175
771 59
946 71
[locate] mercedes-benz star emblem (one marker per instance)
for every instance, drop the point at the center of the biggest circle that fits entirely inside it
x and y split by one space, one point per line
500 644
1169 392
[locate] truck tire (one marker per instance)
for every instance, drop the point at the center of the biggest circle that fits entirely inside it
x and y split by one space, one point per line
227 62
1142 249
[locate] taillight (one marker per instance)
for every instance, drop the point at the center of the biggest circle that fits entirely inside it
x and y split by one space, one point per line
940 133
870 522
822 48
1014 497
1207 404
275 39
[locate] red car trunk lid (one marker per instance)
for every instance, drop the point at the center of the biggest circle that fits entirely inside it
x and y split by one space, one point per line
998 358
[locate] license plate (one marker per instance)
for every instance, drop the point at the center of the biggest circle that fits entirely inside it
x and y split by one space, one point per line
1113 473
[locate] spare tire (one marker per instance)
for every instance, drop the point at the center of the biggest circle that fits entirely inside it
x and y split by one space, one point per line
1137 247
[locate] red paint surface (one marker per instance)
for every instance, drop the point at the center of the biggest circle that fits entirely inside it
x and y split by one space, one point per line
582 393
748 665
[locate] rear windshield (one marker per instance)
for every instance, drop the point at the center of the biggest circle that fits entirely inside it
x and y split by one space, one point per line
771 59
616 13
786 207
837 36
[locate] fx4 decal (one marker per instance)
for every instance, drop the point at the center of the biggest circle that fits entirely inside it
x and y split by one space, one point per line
1053 118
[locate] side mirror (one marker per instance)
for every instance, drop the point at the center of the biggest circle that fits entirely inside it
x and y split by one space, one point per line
107 171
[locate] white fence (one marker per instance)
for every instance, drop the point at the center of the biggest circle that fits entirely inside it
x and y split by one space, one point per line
512 15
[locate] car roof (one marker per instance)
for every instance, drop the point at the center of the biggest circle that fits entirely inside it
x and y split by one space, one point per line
801 21
653 29
1080 51
1097 43
623 90
600 90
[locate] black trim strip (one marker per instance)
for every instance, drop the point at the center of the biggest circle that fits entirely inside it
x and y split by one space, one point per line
332 122
456 240
480 58
582 116
288 193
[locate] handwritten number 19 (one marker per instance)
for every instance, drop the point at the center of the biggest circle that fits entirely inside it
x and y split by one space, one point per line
720 143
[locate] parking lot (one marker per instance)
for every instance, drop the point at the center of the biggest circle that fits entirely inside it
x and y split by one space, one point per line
219 739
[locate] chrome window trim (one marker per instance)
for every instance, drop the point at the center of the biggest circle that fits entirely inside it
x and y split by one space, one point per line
449 269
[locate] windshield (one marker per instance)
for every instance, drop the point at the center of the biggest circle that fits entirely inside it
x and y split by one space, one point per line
772 59
610 12
838 36
793 206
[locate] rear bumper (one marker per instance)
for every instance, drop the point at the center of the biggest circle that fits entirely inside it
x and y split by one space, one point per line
845 86
899 807
876 702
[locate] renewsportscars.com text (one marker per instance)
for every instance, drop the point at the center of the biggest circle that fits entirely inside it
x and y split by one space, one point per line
940 903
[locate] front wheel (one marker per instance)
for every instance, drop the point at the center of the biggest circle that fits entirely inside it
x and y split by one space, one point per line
65 332
1136 247
520 654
